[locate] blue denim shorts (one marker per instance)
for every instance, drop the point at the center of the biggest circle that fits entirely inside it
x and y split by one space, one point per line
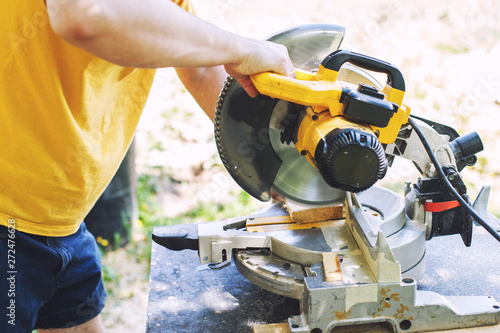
48 282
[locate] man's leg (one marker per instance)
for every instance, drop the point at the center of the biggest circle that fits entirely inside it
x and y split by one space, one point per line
28 268
50 282
79 297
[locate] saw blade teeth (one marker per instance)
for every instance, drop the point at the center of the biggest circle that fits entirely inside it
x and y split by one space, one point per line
218 119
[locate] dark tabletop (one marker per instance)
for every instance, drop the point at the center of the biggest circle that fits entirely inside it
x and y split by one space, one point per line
185 296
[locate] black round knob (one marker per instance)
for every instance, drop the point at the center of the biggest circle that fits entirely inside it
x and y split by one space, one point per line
350 159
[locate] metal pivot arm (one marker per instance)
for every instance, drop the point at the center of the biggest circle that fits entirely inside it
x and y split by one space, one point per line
449 147
440 200
444 206
409 146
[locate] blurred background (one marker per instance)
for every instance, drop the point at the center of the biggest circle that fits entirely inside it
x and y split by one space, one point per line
448 52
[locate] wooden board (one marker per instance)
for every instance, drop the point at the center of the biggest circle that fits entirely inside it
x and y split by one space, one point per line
281 223
271 328
331 267
303 213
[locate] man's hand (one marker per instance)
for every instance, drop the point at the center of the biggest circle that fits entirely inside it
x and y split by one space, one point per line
205 84
261 56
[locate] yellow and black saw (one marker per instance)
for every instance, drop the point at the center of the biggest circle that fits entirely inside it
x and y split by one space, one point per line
312 138
324 137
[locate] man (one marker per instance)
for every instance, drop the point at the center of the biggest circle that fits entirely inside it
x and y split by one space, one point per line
74 77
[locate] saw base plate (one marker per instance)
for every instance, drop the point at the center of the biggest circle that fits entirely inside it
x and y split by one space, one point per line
376 279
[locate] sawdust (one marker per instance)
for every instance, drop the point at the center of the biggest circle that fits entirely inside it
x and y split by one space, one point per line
448 52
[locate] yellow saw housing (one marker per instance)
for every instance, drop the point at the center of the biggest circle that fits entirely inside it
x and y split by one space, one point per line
343 127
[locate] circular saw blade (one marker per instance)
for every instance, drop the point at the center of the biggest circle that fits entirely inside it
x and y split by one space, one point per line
242 138
249 145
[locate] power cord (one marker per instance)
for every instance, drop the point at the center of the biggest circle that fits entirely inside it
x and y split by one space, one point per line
446 182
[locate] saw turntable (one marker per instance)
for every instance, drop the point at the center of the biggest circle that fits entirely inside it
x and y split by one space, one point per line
350 252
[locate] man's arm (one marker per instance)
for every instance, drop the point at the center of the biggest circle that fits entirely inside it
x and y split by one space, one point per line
155 34
204 84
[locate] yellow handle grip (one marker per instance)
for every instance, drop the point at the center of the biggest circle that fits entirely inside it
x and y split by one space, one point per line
306 89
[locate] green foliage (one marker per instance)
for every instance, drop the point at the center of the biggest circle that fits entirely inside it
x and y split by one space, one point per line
420 94
151 214
109 275
454 49
242 205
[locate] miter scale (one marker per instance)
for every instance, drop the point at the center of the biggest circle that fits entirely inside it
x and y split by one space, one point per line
321 141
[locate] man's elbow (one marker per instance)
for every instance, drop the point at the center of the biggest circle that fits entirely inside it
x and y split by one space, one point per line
76 21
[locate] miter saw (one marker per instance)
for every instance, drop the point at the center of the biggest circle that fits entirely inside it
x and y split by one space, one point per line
326 138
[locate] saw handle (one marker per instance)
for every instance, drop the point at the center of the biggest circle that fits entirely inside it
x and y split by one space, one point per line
336 59
176 239
306 89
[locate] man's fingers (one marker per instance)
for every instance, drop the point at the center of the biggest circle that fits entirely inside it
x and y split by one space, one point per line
247 84
288 68
262 56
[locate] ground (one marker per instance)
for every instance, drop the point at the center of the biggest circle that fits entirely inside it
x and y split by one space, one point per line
446 50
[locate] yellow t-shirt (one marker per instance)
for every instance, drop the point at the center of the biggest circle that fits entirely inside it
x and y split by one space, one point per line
66 121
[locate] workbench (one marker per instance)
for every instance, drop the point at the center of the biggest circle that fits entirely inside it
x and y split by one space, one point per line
185 296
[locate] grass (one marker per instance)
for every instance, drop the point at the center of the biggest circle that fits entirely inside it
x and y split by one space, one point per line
151 213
